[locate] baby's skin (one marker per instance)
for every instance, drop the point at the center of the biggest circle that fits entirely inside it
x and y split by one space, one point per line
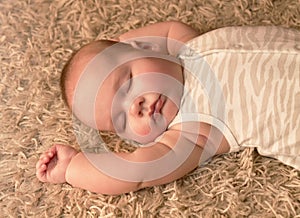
52 165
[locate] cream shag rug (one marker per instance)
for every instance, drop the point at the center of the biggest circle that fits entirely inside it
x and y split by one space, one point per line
36 39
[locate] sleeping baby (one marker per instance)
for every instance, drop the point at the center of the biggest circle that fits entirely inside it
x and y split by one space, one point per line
184 98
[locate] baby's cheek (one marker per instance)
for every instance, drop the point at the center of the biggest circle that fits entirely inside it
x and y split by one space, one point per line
141 129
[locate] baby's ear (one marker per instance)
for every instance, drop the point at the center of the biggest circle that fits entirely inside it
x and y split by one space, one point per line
145 45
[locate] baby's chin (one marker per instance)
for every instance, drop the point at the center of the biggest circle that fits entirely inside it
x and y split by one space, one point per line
157 126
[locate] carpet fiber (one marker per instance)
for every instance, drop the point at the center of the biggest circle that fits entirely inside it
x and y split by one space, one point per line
36 39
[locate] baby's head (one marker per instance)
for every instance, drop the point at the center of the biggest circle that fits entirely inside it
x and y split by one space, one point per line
120 87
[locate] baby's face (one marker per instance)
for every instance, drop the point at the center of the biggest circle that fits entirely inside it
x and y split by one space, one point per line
138 98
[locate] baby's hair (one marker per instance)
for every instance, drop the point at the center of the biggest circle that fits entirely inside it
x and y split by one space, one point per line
63 77
96 47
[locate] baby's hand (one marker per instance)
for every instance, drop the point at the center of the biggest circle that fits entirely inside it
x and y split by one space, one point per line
53 164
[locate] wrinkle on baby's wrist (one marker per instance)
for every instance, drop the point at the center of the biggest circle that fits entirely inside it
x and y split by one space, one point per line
68 173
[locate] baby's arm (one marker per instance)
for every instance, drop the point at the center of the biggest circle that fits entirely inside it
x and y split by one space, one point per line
168 33
63 163
81 173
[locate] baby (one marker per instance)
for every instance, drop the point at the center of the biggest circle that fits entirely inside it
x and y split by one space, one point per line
184 98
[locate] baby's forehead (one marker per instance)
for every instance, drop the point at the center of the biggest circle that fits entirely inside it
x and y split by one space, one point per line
94 67
100 64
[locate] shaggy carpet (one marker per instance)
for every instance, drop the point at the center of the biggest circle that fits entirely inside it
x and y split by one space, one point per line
36 39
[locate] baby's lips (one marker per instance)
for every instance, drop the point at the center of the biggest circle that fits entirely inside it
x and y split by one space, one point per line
154 107
156 116
158 105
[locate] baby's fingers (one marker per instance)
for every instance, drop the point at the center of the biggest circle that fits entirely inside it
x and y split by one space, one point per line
46 157
43 162
41 173
41 170
53 149
41 165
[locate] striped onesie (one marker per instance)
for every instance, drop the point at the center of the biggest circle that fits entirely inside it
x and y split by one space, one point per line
246 82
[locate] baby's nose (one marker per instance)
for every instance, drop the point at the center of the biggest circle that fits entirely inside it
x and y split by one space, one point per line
137 107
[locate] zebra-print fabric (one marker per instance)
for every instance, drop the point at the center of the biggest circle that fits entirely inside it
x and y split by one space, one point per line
249 88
